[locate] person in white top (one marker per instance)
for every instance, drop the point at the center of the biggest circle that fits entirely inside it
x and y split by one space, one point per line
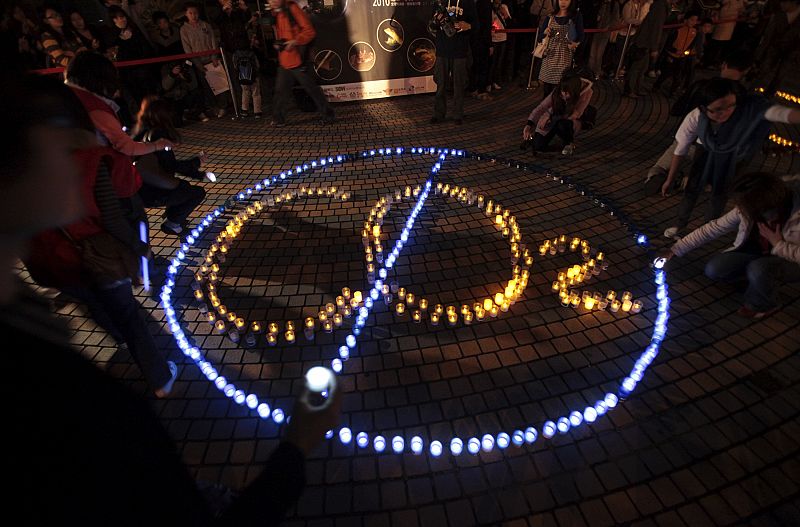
766 250
728 127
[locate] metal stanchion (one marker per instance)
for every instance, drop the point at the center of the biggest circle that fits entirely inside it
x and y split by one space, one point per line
622 56
533 61
230 82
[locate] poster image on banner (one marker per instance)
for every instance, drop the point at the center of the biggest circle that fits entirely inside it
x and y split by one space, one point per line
368 49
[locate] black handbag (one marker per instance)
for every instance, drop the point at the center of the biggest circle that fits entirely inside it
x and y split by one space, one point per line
105 260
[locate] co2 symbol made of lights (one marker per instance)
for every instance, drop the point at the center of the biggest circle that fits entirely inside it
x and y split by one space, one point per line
379 261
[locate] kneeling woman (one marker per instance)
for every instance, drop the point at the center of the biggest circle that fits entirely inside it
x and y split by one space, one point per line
766 250
565 112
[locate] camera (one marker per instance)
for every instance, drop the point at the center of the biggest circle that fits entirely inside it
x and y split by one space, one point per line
443 20
280 44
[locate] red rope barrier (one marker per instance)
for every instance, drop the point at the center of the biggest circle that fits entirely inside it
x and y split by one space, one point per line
611 29
153 60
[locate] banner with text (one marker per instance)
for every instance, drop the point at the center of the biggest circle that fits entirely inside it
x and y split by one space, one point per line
367 49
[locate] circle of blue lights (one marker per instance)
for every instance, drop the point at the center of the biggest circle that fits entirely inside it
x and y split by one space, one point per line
416 444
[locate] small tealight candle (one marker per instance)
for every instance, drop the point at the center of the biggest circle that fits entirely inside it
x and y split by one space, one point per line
327 326
400 308
494 311
468 318
435 318
309 323
198 294
239 323
627 296
417 315
401 293
589 303
410 299
439 309
358 297
274 327
556 286
219 325
626 305
480 313
323 316
574 300
464 309
346 293
565 299
211 317
423 304
614 306
452 318
637 306
272 339
498 220
487 304
505 306
499 298
354 303
290 326
347 311
611 295
221 309
330 309
340 301
289 336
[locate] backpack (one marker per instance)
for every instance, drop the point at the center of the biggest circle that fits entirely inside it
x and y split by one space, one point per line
246 66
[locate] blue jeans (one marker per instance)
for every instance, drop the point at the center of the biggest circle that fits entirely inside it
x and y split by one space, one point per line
115 309
764 274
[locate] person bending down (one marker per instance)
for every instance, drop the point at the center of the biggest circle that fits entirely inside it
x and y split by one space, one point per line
563 113
160 187
766 250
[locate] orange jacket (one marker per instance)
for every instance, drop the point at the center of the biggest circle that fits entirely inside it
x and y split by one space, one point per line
302 33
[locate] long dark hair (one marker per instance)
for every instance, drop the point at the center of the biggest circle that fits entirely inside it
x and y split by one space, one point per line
94 72
572 85
572 10
155 113
759 192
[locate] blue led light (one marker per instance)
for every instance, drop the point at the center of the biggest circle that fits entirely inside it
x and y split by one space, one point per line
436 448
398 444
379 443
456 446
345 435
473 446
502 440
278 416
362 439
416 441
549 429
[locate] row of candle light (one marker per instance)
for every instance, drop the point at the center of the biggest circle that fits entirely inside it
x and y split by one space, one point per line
416 444
480 310
578 274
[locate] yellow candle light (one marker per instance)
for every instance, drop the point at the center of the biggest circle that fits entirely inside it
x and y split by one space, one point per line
487 304
435 318
215 302
452 318
614 306
611 295
255 327
565 299
401 293
346 293
499 298
330 308
274 327
416 315
309 323
353 303
340 301
589 302
337 319
400 308
289 335
327 326
376 231
439 309
468 318
637 306
211 317
358 297
626 296
505 306
498 220
423 303
272 339
575 300
347 311
323 316
626 305
410 299
464 309
556 286
198 294
222 310
480 313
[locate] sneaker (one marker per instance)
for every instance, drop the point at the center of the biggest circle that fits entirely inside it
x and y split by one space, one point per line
568 150
221 112
204 118
243 114
748 312
496 86
258 115
277 124
484 97
173 372
170 227
672 232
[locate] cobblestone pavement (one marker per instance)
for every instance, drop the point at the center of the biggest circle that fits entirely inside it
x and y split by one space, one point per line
709 437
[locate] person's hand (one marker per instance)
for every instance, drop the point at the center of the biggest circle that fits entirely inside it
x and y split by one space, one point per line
95 44
289 44
526 132
462 26
666 254
773 236
125 34
573 46
176 70
164 144
665 188
308 424
547 31
203 158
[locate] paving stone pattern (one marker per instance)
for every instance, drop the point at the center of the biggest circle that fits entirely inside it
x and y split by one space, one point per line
710 437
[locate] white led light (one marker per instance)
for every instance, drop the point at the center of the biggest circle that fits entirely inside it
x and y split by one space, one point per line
436 448
398 444
473 446
549 429
416 444
278 416
456 446
379 443
263 410
362 439
345 435
318 379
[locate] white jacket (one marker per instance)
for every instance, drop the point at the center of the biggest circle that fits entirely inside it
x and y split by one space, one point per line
788 249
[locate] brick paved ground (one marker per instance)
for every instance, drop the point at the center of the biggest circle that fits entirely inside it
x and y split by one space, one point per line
710 437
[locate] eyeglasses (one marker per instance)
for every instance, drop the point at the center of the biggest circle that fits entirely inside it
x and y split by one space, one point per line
717 111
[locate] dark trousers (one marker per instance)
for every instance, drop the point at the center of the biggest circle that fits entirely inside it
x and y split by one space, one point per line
442 71
179 202
115 310
638 61
496 62
547 89
764 274
678 71
479 77
192 101
283 89
694 186
562 128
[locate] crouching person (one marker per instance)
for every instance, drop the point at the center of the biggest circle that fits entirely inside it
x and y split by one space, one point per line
766 250
160 187
563 113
